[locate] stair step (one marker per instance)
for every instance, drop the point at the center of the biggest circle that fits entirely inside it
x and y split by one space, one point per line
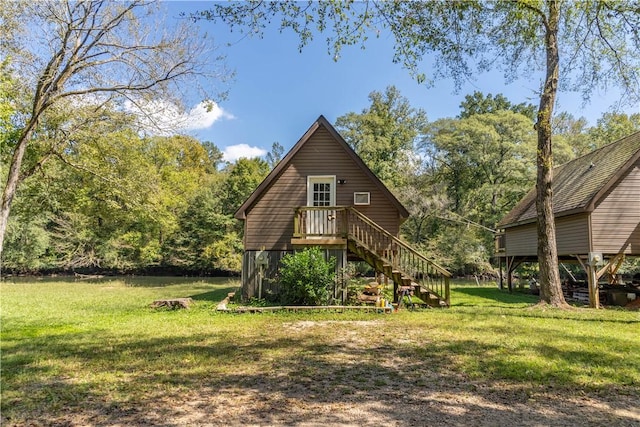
381 256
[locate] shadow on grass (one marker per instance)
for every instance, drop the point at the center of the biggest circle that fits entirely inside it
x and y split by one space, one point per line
214 296
491 294
162 281
488 298
101 379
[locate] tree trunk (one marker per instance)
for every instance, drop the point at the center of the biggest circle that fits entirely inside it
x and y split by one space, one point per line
550 286
13 180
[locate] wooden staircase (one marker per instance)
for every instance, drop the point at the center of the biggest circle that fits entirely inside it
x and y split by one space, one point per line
382 250
397 260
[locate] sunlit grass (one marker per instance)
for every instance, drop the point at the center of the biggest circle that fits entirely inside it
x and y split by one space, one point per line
93 344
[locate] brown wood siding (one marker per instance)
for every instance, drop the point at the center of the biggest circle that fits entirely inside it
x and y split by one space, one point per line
615 221
269 222
521 241
572 237
572 234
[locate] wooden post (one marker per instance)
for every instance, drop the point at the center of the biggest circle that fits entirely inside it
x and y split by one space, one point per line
592 281
510 269
296 223
594 294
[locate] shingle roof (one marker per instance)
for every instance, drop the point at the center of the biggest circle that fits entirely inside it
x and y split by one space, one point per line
321 121
578 184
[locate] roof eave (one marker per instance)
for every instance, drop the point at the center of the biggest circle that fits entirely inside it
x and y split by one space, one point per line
241 213
404 213
612 181
575 211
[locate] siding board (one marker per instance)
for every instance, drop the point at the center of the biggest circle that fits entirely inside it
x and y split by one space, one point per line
572 237
269 222
615 220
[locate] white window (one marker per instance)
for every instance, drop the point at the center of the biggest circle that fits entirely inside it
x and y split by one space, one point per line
361 198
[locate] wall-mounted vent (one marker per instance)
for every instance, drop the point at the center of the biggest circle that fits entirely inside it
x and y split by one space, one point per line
361 198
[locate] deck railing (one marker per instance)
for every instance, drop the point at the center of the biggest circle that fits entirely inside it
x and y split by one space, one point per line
349 223
325 221
500 242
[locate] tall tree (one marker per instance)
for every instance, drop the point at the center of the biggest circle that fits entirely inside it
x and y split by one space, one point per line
479 103
613 126
243 178
570 137
87 52
600 42
275 155
485 160
384 134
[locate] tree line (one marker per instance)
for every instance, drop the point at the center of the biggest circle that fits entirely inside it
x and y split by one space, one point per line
459 176
58 54
116 200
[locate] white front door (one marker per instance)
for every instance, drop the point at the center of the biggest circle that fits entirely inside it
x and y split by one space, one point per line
321 192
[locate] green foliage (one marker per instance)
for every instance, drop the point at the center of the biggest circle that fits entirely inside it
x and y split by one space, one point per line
306 277
8 128
27 246
478 103
613 126
573 138
226 253
486 160
384 134
570 138
115 200
243 177
475 169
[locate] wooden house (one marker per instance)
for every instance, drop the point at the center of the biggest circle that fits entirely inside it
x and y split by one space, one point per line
596 202
322 194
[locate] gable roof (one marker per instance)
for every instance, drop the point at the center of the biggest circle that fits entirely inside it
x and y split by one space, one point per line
579 184
320 122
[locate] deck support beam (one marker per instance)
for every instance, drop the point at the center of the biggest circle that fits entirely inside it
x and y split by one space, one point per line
610 268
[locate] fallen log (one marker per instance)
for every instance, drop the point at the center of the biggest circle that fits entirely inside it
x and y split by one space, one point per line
172 303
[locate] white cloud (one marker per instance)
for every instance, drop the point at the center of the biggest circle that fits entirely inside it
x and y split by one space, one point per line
235 152
164 118
204 115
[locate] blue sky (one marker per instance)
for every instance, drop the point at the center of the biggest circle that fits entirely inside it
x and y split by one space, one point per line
278 91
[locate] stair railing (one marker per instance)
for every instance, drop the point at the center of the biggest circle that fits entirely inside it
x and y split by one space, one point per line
352 224
398 254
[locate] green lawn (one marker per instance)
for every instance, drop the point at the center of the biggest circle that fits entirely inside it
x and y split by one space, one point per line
94 353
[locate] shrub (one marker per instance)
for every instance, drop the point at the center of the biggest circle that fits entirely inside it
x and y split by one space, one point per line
306 277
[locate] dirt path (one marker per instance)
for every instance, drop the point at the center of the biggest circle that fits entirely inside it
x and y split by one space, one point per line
356 382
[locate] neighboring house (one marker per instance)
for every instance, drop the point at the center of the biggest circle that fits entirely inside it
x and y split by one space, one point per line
322 194
596 203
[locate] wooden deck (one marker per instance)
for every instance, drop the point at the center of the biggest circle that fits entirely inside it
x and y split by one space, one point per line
386 253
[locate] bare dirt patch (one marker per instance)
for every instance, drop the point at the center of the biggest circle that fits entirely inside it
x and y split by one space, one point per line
348 373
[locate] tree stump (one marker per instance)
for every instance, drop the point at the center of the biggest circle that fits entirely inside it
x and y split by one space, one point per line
222 306
172 303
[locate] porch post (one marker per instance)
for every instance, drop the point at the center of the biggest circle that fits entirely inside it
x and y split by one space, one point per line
594 294
592 281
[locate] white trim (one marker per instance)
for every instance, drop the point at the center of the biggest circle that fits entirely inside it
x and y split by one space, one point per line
361 193
321 178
